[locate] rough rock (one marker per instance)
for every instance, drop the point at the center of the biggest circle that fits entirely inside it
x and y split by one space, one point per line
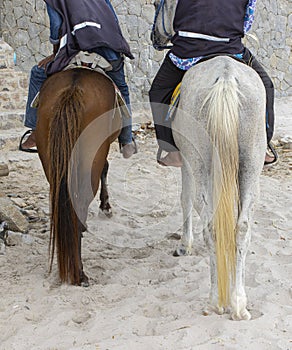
12 216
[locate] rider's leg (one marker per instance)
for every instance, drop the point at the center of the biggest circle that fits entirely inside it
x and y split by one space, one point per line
164 83
117 74
37 78
269 86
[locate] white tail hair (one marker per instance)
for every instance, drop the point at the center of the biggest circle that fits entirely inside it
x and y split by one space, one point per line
222 108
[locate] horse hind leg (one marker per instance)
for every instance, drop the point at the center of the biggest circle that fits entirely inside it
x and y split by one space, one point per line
213 305
238 296
186 202
238 300
104 207
84 281
82 227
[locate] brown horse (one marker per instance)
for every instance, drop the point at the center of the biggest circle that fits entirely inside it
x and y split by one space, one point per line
77 122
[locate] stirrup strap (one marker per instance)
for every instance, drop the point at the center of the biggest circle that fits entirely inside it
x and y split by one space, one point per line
159 152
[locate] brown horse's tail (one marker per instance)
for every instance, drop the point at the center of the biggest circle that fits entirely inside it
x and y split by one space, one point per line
223 102
64 131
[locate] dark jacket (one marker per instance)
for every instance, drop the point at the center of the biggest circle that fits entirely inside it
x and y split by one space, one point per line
222 20
87 24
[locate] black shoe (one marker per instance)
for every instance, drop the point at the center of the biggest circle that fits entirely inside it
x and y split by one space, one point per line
273 155
25 137
129 149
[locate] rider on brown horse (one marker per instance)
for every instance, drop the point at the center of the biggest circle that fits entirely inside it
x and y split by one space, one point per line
74 26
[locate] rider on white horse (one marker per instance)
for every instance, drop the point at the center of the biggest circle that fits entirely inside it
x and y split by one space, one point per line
203 28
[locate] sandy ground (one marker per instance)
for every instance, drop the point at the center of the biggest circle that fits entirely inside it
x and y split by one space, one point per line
141 297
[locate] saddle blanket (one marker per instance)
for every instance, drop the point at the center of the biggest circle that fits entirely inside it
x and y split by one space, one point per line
173 103
93 61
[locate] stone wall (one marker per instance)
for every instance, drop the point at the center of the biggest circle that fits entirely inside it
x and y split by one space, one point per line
273 28
13 83
24 25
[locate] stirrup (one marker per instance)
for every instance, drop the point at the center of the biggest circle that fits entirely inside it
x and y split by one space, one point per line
159 152
274 153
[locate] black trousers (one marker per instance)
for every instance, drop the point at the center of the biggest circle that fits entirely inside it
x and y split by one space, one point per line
166 80
270 94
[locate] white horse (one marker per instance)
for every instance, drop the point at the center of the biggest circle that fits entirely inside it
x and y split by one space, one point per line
219 128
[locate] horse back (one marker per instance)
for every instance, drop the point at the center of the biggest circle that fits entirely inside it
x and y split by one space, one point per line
196 85
98 91
97 97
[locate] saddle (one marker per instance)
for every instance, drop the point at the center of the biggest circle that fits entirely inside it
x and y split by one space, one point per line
94 61
174 101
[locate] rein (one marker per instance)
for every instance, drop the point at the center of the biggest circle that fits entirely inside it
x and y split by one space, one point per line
168 35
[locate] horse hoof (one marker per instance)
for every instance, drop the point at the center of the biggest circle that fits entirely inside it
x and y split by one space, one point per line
181 252
84 282
210 309
105 213
242 315
108 213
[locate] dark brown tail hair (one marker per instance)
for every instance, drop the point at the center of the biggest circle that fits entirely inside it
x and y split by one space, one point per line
64 132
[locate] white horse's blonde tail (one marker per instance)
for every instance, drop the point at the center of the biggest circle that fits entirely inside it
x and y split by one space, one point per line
222 108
